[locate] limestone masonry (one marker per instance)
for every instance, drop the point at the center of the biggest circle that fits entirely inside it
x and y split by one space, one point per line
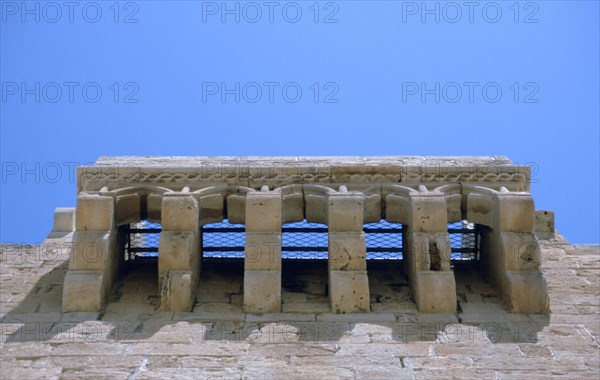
138 282
424 194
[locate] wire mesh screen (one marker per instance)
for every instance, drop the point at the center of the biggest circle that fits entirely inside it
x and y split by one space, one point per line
463 241
142 240
384 240
303 240
223 240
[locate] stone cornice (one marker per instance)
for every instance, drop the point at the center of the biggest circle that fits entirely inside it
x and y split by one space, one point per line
277 171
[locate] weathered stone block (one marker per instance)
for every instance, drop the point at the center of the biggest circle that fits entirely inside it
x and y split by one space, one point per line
211 208
91 250
521 251
435 292
544 221
316 208
83 291
372 208
154 207
428 251
177 250
397 209
262 291
293 208
347 251
345 212
179 213
515 213
128 209
94 213
526 292
453 205
263 211
177 292
428 214
480 209
64 219
349 291
263 251
236 209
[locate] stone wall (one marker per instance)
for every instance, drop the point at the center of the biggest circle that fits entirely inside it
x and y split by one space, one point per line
130 338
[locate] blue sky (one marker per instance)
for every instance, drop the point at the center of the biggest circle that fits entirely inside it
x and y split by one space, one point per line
85 79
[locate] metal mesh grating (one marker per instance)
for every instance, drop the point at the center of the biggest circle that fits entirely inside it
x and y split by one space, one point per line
463 241
384 240
223 240
303 240
142 240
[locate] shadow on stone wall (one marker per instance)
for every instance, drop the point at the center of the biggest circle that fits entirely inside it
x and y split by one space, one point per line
130 316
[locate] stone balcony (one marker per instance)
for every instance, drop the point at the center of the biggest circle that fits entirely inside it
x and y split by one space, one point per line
423 194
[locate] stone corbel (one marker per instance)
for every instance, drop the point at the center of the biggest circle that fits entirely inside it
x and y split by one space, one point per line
236 204
211 203
426 246
315 202
262 256
348 280
93 264
293 203
179 252
510 253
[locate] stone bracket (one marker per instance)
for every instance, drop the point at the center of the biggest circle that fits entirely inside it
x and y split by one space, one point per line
179 252
427 248
83 291
510 253
348 280
93 264
349 291
262 258
177 291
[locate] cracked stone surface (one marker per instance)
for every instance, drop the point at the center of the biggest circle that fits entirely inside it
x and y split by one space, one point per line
130 339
